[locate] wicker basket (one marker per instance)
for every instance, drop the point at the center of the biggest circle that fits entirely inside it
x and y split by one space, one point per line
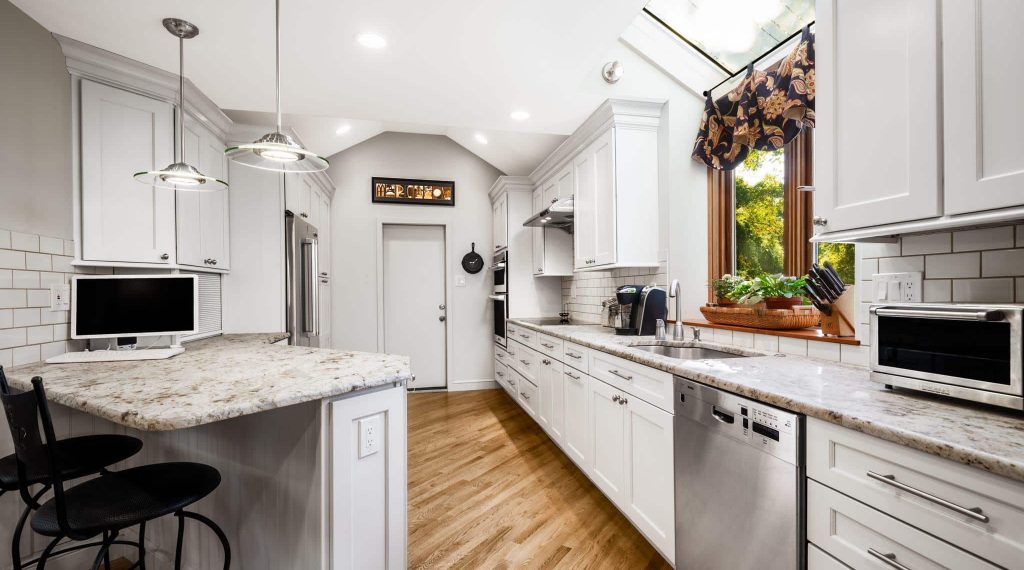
760 318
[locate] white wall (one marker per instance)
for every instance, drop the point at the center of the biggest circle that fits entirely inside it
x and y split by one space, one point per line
354 229
35 111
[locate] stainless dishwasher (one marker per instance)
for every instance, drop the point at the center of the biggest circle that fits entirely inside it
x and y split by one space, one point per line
739 482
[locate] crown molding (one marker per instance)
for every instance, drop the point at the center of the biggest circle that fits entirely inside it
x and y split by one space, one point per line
510 184
90 62
643 114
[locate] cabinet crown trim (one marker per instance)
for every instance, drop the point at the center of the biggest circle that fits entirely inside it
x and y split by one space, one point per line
510 184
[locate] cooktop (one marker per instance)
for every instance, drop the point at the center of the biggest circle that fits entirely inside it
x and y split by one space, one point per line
551 321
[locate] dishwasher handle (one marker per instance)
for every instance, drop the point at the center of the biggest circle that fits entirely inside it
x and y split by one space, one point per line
723 417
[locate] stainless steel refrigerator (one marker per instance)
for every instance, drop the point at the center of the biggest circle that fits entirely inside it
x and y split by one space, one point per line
302 303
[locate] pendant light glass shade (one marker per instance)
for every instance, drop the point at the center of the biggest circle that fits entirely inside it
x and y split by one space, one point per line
180 175
277 151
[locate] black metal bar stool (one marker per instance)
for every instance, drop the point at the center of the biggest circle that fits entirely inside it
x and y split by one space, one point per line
81 457
104 505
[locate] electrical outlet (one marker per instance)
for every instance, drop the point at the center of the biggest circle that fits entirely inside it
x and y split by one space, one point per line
60 297
369 436
897 287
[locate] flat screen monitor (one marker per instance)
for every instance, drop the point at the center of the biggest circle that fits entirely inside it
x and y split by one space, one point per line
104 306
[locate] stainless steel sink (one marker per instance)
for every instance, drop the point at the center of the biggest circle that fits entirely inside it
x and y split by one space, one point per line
686 353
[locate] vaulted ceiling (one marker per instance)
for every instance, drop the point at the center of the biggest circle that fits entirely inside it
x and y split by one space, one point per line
454 67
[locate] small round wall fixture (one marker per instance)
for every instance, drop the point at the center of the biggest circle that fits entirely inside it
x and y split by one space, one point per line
612 72
472 262
180 175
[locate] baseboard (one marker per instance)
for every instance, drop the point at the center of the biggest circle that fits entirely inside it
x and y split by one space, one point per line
466 385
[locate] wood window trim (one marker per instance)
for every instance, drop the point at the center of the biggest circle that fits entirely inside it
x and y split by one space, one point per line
798 206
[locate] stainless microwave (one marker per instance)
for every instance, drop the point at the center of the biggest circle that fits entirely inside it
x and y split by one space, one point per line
972 352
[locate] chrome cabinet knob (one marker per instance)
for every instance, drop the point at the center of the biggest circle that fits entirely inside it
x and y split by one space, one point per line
553 200
304 215
623 401
819 221
213 261
546 362
616 398
442 318
165 256
442 306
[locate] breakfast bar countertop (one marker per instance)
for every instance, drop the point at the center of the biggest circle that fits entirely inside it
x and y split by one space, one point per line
214 379
984 437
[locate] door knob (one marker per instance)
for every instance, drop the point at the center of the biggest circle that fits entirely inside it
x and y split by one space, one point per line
442 318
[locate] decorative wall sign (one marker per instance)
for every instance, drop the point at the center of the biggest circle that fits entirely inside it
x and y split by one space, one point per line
410 191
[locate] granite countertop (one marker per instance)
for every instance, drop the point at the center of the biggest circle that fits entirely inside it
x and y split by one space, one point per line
984 437
214 379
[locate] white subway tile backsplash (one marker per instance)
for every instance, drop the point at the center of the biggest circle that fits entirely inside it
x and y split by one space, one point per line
39 335
743 339
38 298
1002 263
986 238
6 278
12 298
953 265
52 349
61 331
7 357
901 264
48 317
69 248
937 290
5 239
6 318
866 269
796 346
823 350
1020 235
928 243
592 287
10 259
26 355
51 245
853 354
10 338
25 317
24 242
723 336
983 290
62 263
47 278
24 279
766 343
37 262
880 249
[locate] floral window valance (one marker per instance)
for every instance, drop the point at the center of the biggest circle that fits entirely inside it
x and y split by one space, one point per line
764 112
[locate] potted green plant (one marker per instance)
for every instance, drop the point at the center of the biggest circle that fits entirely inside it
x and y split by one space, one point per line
776 290
724 289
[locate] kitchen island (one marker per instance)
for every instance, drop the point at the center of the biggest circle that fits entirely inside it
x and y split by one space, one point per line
279 422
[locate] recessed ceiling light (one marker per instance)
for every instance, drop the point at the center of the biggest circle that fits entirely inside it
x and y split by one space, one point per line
343 129
372 41
519 115
480 138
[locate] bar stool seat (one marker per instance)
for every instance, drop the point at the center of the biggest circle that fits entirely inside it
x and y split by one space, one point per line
129 497
80 456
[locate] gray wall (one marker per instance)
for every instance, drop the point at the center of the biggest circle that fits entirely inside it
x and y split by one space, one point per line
35 114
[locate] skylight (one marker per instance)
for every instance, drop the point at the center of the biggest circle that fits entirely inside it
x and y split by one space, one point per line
731 33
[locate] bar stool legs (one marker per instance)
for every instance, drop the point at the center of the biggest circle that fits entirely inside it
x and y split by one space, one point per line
46 552
182 515
103 556
20 527
142 545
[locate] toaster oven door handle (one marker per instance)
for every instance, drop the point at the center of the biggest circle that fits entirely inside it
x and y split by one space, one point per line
969 315
496 297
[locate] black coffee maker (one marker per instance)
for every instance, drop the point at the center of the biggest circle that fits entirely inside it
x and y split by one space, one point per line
640 307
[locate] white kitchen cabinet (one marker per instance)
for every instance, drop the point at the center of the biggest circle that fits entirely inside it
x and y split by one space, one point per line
565 183
607 430
650 475
298 194
574 441
202 217
552 398
122 133
500 222
548 195
982 115
552 247
876 141
324 233
538 233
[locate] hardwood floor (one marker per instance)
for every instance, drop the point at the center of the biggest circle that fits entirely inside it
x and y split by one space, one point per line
488 489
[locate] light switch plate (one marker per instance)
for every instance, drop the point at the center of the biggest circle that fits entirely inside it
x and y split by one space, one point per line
60 297
897 287
460 280
369 436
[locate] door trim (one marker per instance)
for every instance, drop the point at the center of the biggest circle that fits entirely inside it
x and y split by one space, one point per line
450 311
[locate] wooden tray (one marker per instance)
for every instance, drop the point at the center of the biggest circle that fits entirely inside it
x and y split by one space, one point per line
760 318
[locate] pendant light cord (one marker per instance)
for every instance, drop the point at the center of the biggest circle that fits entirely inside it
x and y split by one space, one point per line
277 59
181 100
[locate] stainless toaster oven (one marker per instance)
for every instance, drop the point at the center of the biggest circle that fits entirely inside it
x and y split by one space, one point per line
972 352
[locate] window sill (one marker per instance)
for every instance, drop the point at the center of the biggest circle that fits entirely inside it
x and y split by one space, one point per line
806 334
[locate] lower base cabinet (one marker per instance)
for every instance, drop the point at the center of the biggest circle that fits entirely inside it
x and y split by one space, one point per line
650 473
574 441
607 427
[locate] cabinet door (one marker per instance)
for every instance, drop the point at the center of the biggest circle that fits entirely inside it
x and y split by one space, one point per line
538 234
584 214
549 195
500 221
607 429
650 484
324 236
983 118
123 133
202 217
552 408
604 199
575 442
325 314
876 147
188 205
298 193
564 181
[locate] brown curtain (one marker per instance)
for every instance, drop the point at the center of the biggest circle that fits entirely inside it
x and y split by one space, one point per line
720 220
799 207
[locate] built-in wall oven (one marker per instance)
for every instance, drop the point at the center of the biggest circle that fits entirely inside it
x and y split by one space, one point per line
972 352
499 298
500 271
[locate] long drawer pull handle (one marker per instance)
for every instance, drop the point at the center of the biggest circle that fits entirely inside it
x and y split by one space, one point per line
975 513
887 559
523 394
571 375
546 362
546 345
621 375
524 361
573 355
526 336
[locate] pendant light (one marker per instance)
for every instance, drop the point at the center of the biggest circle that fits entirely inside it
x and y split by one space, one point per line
180 175
277 151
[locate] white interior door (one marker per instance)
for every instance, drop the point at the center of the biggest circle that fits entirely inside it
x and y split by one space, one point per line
415 319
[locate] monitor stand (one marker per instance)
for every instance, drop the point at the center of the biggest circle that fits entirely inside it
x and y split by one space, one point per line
116 355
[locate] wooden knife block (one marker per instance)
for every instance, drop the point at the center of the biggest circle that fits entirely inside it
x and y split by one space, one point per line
841 322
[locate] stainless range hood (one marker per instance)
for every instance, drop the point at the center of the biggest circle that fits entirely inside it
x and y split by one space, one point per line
557 215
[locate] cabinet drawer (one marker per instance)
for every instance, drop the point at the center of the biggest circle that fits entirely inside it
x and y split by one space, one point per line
576 356
527 362
529 396
549 345
501 375
524 336
648 384
817 559
502 356
862 537
511 331
928 492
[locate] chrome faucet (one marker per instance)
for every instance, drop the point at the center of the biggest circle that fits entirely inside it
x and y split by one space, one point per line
696 334
677 330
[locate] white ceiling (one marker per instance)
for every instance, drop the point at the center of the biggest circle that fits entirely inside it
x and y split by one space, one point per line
454 67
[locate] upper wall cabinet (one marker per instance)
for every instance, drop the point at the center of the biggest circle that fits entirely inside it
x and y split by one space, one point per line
123 133
983 117
202 217
500 222
876 155
298 195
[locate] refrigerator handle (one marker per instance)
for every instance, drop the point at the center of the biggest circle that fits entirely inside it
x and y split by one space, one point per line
310 290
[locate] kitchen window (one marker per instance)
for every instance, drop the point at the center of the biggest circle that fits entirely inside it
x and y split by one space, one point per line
760 221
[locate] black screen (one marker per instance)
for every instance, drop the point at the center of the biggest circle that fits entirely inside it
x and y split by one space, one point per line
131 306
975 350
